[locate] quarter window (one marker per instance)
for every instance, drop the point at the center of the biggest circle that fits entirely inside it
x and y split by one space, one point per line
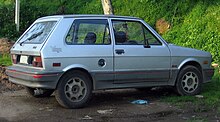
152 40
89 32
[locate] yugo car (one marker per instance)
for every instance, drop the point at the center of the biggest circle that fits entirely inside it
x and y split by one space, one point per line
74 55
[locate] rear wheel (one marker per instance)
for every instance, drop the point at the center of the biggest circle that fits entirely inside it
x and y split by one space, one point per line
74 90
38 93
189 81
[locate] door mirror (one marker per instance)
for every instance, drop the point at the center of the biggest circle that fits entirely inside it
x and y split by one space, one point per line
147 46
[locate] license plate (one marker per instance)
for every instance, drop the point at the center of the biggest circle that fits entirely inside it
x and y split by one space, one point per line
23 59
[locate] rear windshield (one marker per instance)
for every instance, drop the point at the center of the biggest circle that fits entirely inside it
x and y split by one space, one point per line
38 32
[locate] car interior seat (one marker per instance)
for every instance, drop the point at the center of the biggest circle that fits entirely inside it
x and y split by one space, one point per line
90 38
120 37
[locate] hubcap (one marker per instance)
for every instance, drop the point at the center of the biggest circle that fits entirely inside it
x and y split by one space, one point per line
75 89
190 82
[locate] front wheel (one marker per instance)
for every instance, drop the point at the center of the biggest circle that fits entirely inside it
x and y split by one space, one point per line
74 90
189 81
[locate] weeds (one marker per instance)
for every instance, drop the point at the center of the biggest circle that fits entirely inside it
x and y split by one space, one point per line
5 60
198 119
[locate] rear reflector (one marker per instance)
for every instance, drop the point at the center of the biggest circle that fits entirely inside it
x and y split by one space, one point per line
56 64
37 76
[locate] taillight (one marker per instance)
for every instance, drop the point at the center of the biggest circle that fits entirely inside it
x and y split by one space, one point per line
37 62
14 58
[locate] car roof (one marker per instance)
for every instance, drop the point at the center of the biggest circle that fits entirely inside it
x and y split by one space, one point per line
88 16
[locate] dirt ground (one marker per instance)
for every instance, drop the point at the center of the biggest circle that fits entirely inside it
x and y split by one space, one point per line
111 105
114 106
105 106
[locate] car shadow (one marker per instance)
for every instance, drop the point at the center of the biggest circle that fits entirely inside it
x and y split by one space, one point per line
115 97
125 96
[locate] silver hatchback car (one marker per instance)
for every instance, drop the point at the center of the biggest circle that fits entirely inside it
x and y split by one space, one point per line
74 55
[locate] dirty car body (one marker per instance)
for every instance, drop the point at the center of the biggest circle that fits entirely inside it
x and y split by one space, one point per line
76 54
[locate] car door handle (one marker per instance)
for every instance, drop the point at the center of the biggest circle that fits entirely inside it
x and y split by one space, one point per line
119 51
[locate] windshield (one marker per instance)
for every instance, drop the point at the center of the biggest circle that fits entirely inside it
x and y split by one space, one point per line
38 32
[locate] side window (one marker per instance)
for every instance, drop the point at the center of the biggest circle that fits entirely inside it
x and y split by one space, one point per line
132 33
152 40
128 32
89 32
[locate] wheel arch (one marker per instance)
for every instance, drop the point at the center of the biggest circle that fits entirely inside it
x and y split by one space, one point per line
77 69
192 63
189 63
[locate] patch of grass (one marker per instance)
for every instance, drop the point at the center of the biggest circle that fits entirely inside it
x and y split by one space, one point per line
210 93
5 60
198 119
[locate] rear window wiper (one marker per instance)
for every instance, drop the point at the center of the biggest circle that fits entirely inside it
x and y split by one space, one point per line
32 37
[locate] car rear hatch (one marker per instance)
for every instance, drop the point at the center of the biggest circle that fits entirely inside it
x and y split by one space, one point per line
27 50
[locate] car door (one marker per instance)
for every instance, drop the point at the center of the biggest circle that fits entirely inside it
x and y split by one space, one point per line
88 46
139 56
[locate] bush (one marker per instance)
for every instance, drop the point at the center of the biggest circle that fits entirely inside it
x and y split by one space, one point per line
5 47
8 28
192 23
200 29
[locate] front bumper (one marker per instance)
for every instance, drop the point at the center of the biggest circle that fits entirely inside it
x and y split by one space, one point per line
35 78
207 74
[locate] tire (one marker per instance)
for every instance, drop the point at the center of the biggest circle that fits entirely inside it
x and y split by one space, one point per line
74 90
39 93
189 81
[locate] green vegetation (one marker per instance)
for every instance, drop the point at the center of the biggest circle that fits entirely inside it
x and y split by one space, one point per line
193 24
5 60
198 119
200 29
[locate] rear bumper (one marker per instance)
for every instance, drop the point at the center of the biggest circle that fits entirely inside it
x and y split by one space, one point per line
35 78
207 74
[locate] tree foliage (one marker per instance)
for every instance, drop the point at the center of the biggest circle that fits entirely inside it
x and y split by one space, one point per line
194 23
